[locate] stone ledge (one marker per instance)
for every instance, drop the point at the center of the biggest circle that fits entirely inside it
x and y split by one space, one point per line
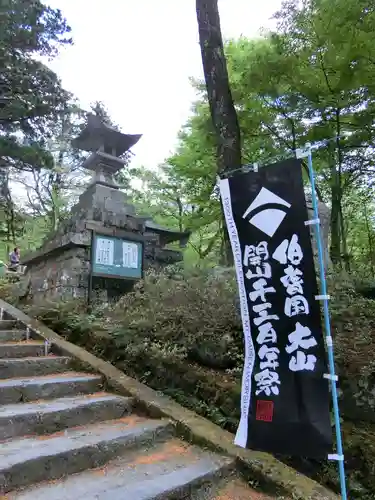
100 229
263 467
67 241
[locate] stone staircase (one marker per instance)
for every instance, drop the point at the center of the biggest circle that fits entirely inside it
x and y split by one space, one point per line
64 437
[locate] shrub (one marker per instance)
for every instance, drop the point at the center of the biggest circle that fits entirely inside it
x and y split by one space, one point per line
353 325
194 318
7 289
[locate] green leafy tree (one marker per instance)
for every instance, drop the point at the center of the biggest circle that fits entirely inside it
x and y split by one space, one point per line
332 77
312 80
31 96
51 191
30 92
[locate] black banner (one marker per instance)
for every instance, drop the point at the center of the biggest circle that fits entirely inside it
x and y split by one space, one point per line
285 398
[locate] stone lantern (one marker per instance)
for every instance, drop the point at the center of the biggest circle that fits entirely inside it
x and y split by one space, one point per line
103 201
61 267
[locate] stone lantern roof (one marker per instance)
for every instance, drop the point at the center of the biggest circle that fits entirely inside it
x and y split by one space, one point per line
98 136
167 235
106 145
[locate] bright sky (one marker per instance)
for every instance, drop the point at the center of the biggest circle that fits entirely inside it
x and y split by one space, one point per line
136 56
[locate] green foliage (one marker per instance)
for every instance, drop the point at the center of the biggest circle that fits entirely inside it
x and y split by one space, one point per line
6 288
311 80
185 319
31 96
52 189
175 201
353 322
30 91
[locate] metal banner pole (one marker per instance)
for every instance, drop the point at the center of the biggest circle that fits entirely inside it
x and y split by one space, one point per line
325 297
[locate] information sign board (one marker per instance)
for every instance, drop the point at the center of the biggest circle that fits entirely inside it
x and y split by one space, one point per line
114 257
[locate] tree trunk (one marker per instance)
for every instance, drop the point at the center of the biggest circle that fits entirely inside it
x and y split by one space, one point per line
370 240
335 249
180 214
56 201
223 113
344 244
8 207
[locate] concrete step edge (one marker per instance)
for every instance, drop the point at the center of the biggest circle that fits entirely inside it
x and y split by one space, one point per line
12 335
32 366
14 330
48 387
172 485
4 323
197 480
22 349
33 461
53 378
35 358
22 343
46 417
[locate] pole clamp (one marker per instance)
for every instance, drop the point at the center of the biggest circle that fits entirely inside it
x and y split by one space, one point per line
329 376
329 341
312 222
335 456
303 152
322 297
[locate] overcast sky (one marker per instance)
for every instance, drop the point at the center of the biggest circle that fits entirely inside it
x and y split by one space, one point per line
137 56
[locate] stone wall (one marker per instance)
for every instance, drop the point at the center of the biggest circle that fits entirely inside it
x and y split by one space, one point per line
60 274
61 267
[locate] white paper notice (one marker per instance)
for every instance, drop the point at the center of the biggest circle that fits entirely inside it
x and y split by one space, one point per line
130 255
104 252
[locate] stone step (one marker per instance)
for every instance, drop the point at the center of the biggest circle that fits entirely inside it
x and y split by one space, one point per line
15 335
168 470
45 417
57 385
32 460
32 367
23 349
8 324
